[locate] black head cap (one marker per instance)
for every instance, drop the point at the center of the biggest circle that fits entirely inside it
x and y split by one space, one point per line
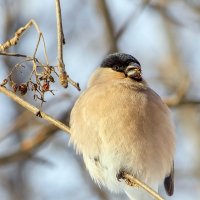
120 59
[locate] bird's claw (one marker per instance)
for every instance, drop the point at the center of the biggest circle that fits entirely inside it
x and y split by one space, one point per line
120 175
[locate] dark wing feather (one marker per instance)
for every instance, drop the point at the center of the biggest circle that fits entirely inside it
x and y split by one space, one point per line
169 182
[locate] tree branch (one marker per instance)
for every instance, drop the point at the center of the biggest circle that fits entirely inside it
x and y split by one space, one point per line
15 55
34 110
60 38
133 182
63 76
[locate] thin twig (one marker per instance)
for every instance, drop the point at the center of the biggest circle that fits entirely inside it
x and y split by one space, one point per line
14 54
75 84
63 76
14 40
132 181
34 110
61 65
29 58
40 35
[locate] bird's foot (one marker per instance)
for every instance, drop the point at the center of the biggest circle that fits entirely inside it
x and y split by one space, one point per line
122 175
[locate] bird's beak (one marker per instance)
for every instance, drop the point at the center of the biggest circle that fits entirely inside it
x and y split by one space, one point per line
134 71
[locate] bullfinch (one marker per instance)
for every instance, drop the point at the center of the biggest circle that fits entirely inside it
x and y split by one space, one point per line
119 124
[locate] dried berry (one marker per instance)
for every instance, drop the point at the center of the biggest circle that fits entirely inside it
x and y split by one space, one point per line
45 87
15 87
23 88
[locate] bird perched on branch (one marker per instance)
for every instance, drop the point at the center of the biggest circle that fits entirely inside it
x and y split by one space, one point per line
119 124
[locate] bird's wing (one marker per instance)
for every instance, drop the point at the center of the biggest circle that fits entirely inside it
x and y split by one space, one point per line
169 182
84 123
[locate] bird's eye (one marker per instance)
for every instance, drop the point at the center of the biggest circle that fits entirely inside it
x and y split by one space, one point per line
116 68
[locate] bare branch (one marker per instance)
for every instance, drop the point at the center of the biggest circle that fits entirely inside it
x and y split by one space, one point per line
34 110
60 38
134 182
15 55
63 76
14 40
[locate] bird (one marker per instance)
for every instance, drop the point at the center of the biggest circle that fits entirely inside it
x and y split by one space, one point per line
120 124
